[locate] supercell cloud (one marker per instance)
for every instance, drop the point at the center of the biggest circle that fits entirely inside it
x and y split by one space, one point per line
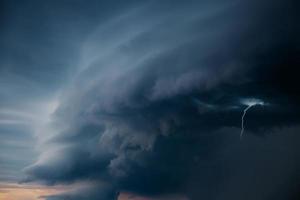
148 97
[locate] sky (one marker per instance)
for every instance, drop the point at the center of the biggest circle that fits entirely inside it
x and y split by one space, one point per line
149 100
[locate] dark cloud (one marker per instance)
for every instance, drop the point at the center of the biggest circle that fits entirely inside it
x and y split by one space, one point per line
154 104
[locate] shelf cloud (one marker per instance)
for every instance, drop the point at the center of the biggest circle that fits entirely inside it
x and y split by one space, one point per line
145 98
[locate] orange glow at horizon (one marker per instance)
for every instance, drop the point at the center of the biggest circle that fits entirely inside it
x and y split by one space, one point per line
27 192
14 191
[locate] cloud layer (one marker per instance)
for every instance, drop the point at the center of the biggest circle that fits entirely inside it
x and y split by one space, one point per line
153 106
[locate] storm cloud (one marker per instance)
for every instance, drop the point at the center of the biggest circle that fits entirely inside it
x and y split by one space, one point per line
154 104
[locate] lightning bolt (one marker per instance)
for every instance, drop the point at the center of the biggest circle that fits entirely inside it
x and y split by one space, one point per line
243 116
250 103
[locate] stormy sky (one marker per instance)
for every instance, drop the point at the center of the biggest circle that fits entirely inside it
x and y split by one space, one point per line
107 100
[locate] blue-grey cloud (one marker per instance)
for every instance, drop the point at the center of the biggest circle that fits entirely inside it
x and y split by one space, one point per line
149 97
